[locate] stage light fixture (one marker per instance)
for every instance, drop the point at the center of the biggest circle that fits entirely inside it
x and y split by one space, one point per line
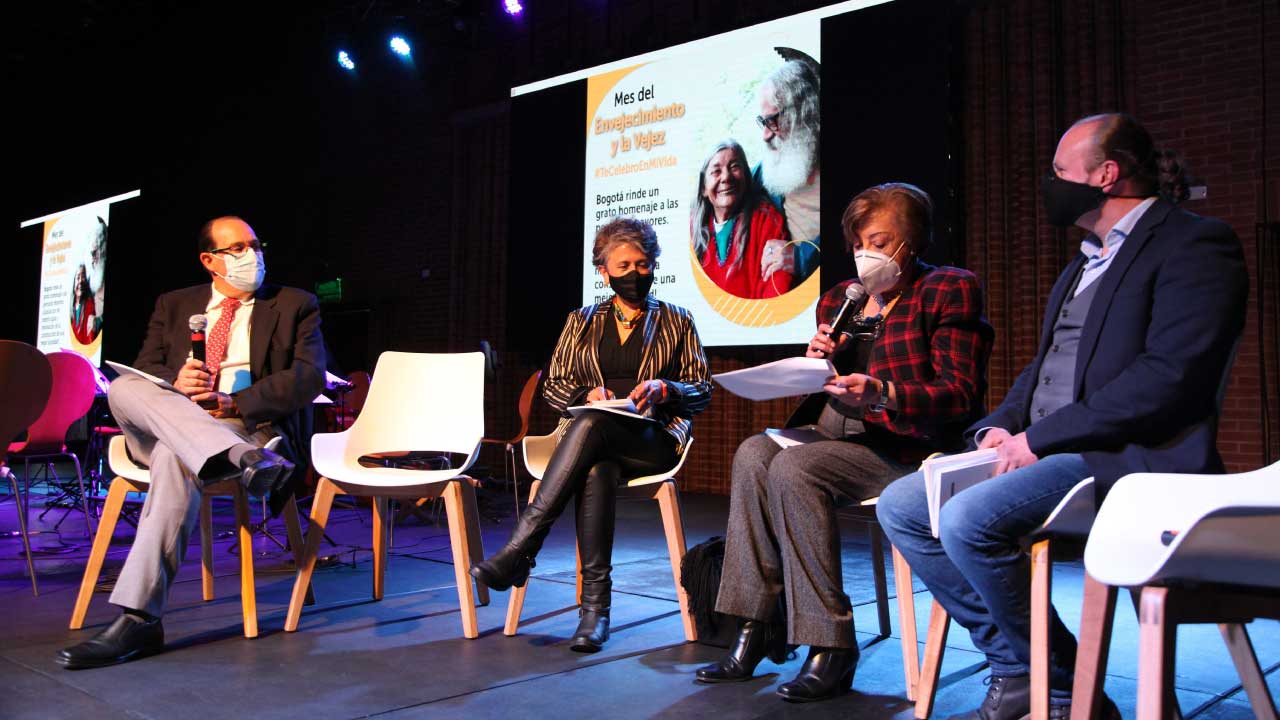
513 7
345 61
400 46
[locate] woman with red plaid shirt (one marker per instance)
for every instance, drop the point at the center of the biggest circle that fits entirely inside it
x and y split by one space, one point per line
924 383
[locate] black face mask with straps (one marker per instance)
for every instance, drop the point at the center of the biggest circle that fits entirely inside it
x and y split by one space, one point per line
632 287
1065 201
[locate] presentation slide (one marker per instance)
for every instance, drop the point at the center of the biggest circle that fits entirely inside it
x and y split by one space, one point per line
716 144
72 269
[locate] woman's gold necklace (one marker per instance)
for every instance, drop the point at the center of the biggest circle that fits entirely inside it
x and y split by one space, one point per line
622 319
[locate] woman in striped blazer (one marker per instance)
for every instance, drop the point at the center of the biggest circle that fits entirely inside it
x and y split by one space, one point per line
632 346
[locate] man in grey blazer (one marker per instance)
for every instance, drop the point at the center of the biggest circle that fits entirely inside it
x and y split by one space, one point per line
264 364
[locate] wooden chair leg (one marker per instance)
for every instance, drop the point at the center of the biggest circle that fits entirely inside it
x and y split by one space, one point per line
293 528
101 541
206 547
934 645
879 578
515 602
1041 609
475 542
248 590
1251 677
907 623
1097 613
381 511
673 526
320 506
1157 644
455 512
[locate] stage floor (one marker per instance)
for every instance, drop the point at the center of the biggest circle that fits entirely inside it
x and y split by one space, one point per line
405 657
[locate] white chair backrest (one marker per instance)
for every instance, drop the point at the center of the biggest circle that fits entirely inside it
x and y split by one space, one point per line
421 401
1206 528
1074 515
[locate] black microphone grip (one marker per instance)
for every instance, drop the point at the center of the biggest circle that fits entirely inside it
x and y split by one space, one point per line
855 299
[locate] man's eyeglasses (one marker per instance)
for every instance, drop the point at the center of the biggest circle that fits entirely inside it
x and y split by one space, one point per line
770 122
238 249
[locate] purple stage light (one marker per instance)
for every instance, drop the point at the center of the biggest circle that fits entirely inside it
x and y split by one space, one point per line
513 7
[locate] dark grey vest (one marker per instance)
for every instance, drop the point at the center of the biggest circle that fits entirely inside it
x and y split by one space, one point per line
1055 388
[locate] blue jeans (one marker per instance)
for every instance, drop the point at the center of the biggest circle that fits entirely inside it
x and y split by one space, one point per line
977 569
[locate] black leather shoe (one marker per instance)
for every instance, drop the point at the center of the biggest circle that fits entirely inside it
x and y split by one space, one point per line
756 640
128 638
593 630
263 471
506 568
826 673
1008 698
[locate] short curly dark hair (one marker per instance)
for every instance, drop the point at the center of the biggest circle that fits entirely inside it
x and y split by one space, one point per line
624 231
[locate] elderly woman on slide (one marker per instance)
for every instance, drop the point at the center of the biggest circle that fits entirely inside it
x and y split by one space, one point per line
632 346
732 223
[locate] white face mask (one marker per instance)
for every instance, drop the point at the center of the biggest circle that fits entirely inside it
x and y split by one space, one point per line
878 272
244 273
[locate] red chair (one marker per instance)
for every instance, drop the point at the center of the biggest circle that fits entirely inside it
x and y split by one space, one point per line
25 381
74 387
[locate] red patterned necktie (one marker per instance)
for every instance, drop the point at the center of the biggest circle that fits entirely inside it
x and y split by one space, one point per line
217 349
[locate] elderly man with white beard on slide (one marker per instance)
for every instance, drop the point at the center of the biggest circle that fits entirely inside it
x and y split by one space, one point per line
790 171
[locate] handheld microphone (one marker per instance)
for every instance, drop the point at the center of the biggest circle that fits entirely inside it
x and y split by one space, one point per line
855 298
197 323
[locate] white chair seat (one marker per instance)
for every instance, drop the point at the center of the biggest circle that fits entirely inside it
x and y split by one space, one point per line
333 456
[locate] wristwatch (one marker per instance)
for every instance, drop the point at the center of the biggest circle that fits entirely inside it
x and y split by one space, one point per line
878 405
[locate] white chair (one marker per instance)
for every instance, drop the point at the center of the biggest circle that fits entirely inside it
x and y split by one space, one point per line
661 487
1201 549
131 477
417 402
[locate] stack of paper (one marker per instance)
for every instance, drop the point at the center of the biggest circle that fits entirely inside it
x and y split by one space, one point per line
949 474
624 407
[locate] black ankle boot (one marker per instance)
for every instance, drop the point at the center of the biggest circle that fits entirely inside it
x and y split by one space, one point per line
827 672
593 630
509 566
756 640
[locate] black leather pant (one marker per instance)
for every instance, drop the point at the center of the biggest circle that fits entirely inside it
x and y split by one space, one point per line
596 454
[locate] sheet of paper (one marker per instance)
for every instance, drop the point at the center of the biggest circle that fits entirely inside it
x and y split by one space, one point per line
778 379
123 369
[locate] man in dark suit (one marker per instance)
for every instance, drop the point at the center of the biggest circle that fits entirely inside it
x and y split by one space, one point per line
1136 341
264 364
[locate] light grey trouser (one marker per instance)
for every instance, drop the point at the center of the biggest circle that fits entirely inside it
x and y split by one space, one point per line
784 534
175 438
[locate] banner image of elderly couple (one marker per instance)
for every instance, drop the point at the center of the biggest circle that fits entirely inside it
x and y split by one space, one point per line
717 143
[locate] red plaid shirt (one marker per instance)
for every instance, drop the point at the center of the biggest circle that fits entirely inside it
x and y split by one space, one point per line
934 348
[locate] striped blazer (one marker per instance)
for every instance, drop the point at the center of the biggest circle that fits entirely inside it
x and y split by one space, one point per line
672 353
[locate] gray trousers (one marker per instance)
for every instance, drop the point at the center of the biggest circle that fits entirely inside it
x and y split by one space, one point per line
783 533
175 438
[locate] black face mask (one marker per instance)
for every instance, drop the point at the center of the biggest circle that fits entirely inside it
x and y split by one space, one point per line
1065 201
632 287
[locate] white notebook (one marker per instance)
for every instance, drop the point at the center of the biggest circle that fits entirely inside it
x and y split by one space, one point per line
949 474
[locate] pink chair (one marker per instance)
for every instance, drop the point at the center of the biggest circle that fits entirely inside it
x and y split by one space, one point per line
25 380
73 390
